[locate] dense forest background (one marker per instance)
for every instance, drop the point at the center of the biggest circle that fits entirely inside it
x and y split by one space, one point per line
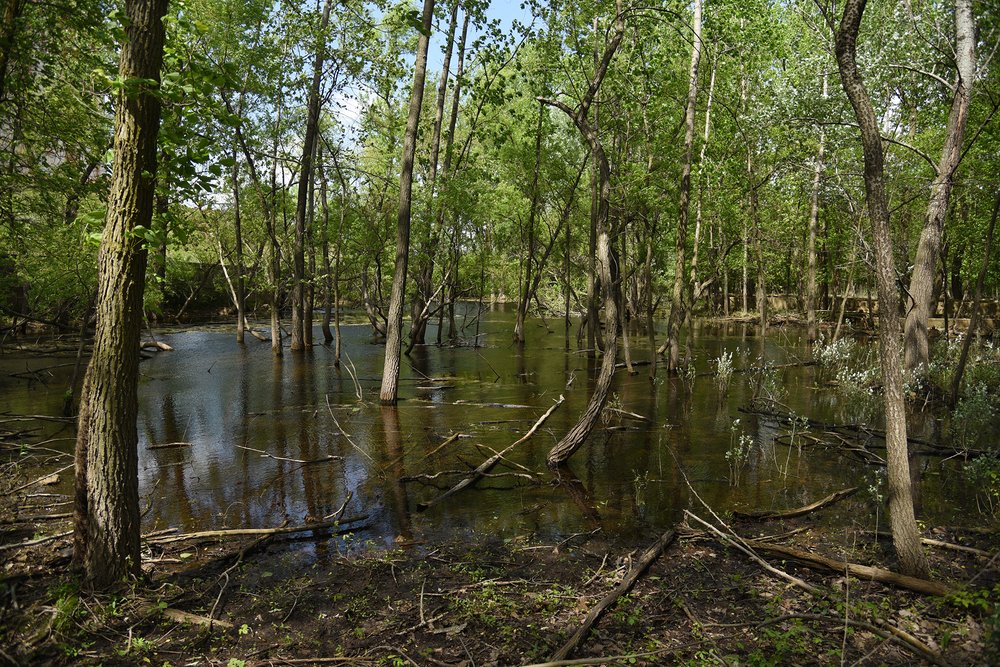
504 186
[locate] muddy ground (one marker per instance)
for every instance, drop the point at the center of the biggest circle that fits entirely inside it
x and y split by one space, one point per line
318 598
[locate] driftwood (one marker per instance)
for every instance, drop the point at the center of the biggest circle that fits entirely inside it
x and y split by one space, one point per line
40 540
818 562
241 532
800 511
155 345
263 454
179 616
169 445
647 558
485 466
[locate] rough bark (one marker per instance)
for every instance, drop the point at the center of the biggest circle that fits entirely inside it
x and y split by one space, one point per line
921 290
811 327
680 244
524 299
607 269
299 292
905 533
428 248
963 358
107 511
394 321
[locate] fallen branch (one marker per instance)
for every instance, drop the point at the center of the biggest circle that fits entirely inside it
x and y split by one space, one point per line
169 445
31 543
647 558
179 616
42 479
263 454
476 474
239 532
800 511
818 562
626 413
950 546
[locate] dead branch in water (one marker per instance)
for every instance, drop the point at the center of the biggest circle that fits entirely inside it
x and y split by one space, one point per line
323 459
241 532
800 511
483 468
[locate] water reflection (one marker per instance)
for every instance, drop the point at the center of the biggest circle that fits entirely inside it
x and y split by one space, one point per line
251 435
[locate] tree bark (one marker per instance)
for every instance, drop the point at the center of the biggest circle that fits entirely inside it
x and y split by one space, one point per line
963 358
811 326
107 511
607 269
905 533
524 299
394 322
428 248
299 292
921 290
680 245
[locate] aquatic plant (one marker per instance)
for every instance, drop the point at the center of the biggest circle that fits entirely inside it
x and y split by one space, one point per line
724 371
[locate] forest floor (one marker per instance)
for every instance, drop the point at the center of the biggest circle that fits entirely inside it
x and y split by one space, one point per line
295 600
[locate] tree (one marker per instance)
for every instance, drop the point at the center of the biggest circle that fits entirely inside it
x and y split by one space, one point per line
607 267
394 320
905 533
921 291
107 494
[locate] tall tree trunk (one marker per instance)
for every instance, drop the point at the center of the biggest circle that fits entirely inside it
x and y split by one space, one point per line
605 264
956 384
593 319
394 322
299 278
921 289
811 295
8 33
239 269
427 248
702 189
107 502
525 297
324 203
905 533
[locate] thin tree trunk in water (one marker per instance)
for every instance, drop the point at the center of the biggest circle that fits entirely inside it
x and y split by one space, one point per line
525 297
299 295
324 203
702 189
593 319
921 291
394 322
675 318
956 384
811 296
107 502
605 265
309 285
427 248
241 299
905 532
848 288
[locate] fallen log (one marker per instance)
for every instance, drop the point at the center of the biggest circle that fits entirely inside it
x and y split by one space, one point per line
241 532
940 544
179 616
155 345
799 511
486 465
263 454
818 562
169 445
647 558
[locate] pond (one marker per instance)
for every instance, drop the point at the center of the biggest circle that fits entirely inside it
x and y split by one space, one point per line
241 413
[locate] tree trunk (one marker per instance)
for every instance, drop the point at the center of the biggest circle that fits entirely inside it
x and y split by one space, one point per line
605 265
299 292
525 296
426 255
811 327
956 384
394 321
703 188
905 532
324 203
680 245
921 290
107 512
240 284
